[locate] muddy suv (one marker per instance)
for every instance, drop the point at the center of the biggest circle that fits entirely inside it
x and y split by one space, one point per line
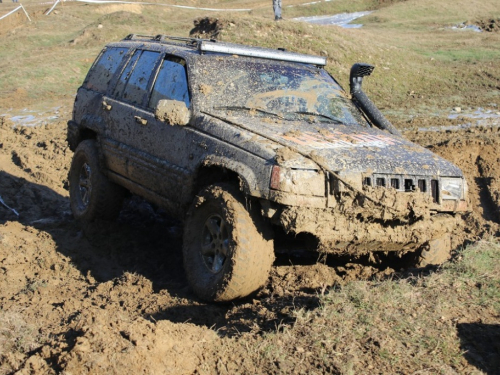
247 144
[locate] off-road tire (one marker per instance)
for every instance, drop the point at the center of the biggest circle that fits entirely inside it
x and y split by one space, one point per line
435 252
218 218
92 195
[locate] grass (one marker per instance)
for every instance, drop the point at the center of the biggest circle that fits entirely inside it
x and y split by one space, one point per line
17 337
406 40
405 325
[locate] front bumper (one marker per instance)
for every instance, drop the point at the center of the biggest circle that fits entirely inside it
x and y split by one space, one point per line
344 234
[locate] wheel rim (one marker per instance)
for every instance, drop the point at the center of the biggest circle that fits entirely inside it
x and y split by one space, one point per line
215 243
85 184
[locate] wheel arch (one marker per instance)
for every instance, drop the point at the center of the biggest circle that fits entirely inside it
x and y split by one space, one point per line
222 169
88 128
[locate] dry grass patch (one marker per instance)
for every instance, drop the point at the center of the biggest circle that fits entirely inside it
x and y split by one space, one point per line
414 324
17 338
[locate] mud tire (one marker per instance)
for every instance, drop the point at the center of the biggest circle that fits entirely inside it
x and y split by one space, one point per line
92 195
435 252
242 235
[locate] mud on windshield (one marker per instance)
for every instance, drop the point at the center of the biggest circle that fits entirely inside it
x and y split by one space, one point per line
237 86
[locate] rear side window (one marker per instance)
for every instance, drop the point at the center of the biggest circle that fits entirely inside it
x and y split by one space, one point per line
171 82
104 69
133 82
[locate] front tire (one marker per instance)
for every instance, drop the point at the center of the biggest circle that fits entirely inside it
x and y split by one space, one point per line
227 251
435 252
92 195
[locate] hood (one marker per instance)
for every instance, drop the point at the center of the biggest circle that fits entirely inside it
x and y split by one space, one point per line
346 148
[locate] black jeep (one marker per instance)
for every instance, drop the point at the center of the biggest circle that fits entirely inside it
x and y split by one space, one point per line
241 143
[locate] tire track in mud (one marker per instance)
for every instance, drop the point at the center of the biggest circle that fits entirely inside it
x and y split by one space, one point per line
485 183
490 213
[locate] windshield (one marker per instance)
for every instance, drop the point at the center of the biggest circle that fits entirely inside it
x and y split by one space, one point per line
268 88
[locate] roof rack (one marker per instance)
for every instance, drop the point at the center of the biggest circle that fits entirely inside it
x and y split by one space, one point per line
211 45
163 38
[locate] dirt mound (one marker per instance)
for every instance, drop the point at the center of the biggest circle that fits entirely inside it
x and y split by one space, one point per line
95 34
132 8
10 23
208 27
489 25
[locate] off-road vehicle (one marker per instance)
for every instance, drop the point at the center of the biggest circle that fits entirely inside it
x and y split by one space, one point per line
244 144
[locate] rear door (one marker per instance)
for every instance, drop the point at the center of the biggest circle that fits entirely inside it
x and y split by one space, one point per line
88 104
121 109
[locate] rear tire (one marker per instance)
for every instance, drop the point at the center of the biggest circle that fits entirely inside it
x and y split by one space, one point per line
228 253
92 195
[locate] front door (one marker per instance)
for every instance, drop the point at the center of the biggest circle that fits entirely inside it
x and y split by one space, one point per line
145 150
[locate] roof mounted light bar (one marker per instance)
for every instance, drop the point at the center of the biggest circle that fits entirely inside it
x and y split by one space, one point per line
265 53
209 45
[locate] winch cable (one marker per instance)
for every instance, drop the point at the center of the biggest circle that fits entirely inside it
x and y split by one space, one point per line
316 160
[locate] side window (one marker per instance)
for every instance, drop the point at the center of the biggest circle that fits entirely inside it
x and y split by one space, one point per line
104 68
122 82
134 80
171 82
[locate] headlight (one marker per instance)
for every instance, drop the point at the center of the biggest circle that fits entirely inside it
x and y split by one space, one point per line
452 188
298 181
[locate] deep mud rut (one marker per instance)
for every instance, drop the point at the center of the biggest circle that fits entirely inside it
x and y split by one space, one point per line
110 299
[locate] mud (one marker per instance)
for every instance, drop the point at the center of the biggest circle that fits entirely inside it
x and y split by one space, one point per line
115 299
475 150
331 226
208 28
488 25
173 112
10 23
285 154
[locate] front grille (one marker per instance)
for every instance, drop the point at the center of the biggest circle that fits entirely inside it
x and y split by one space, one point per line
395 183
423 184
409 184
401 183
435 190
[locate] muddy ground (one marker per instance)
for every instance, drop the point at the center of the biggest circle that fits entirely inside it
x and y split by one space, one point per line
111 300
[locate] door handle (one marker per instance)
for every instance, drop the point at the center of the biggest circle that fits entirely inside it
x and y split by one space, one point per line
106 106
141 120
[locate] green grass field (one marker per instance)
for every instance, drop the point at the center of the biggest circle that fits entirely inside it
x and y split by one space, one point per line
420 60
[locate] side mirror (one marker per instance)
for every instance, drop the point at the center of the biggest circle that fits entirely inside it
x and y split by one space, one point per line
173 112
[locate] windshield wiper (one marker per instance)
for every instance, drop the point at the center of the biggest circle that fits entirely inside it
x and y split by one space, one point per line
250 109
337 121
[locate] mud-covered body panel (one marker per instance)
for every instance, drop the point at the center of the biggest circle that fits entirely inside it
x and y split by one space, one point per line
347 148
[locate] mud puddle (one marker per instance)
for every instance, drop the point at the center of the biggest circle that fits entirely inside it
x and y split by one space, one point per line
33 117
465 27
343 20
471 119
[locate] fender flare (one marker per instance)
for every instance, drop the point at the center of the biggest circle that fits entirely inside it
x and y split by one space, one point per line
92 122
246 174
